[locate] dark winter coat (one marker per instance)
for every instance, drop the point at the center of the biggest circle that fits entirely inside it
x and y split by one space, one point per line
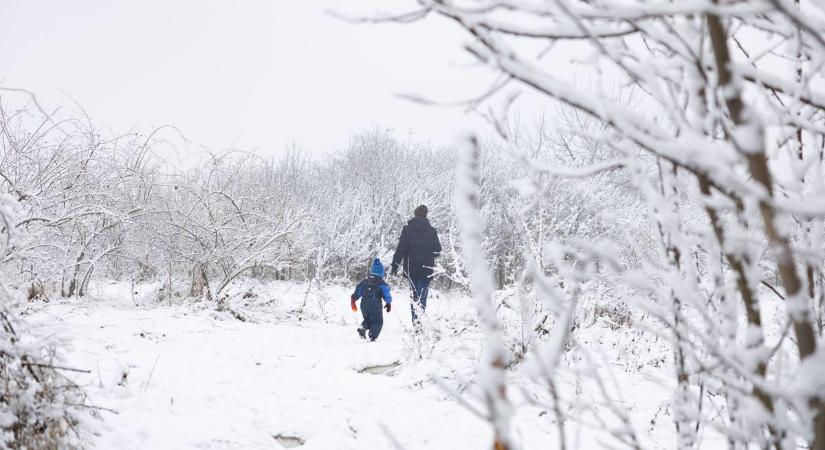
417 248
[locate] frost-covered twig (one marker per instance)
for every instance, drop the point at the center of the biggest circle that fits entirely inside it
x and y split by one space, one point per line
492 371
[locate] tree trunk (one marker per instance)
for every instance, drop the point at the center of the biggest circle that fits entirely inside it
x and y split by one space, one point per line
84 284
200 282
799 311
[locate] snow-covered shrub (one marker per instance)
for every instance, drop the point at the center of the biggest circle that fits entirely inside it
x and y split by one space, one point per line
38 404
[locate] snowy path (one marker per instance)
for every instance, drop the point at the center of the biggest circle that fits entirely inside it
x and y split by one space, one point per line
231 384
198 379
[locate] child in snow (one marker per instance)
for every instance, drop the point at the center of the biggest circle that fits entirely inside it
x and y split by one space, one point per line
371 290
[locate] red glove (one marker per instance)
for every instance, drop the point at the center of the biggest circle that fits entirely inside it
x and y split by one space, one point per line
388 307
352 304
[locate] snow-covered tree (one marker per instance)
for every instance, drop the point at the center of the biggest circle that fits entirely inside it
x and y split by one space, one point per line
723 143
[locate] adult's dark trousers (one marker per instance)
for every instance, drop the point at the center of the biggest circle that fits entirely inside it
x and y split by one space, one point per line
373 314
419 288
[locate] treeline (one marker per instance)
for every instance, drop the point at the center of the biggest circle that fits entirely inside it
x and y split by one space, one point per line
92 206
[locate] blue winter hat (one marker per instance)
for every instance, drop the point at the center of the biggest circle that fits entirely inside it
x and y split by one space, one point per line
377 268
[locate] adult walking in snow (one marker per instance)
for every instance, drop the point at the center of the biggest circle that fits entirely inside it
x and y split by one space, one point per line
416 252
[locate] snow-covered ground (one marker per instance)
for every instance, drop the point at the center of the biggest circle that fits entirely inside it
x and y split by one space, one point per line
263 374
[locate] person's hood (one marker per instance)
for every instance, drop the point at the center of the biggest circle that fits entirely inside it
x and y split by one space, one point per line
377 268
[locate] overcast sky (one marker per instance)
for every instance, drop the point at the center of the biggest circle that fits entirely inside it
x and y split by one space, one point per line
250 74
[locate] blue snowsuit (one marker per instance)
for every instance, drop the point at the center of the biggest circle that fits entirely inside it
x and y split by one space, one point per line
371 291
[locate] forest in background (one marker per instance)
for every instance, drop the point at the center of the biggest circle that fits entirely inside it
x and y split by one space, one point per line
88 205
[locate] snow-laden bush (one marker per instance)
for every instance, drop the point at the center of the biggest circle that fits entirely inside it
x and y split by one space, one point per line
38 404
